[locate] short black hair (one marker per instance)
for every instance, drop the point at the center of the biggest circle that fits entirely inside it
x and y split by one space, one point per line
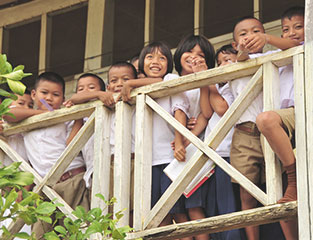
123 64
293 11
134 58
188 43
226 49
245 18
100 80
152 47
51 77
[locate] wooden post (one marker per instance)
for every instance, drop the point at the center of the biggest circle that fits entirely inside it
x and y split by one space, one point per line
301 153
102 157
122 159
143 162
99 36
198 17
149 21
45 39
271 98
1 38
256 8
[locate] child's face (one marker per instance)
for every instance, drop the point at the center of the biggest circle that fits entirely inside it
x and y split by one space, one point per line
293 28
88 84
24 101
155 64
51 92
117 76
187 59
247 29
225 58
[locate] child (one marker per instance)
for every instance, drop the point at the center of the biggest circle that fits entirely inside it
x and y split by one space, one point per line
246 154
278 126
194 54
155 61
16 142
135 62
44 146
221 198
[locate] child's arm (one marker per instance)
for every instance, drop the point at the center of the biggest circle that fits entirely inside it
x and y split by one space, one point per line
180 151
217 102
134 83
77 98
76 127
22 113
205 105
198 128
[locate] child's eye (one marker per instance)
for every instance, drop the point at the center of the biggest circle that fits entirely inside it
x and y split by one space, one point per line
30 105
285 30
299 27
149 56
56 94
163 58
242 34
256 30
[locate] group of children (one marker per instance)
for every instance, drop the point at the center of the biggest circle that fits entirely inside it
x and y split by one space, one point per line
198 109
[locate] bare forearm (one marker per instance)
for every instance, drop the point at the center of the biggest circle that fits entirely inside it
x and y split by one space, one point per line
182 118
218 103
143 82
201 124
21 114
205 105
76 127
281 43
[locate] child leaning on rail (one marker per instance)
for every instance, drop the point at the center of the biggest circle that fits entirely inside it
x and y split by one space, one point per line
195 53
156 62
44 146
246 153
221 197
278 126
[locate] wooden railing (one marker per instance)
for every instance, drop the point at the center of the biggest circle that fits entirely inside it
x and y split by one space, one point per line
264 72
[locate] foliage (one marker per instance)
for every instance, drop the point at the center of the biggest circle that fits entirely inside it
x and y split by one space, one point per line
88 223
12 77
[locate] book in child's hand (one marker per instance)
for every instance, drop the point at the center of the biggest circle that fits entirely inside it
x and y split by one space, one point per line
176 167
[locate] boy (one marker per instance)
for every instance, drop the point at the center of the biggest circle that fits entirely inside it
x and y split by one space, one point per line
246 153
44 146
278 126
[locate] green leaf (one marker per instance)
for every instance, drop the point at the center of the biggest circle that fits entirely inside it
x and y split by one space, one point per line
14 76
61 230
70 226
51 236
3 67
19 67
10 114
22 178
96 212
16 86
118 234
10 199
45 219
45 208
79 212
7 94
22 235
28 218
5 103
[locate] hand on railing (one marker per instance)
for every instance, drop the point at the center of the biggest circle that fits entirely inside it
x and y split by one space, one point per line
125 92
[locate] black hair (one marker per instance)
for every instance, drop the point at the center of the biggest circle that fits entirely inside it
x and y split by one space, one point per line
134 58
246 18
188 43
100 80
124 64
51 77
293 11
228 49
152 47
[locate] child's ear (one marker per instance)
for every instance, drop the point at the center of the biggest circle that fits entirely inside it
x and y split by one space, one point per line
108 87
234 44
33 94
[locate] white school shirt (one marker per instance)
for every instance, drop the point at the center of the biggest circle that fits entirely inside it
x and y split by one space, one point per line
162 133
194 102
16 142
44 147
286 86
224 148
238 85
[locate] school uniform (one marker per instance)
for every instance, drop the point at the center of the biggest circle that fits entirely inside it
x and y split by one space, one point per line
16 142
162 136
221 198
199 197
43 147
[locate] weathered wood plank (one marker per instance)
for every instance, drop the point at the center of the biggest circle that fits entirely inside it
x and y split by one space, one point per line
51 118
102 157
271 99
33 9
143 162
69 154
1 38
122 159
256 216
308 84
149 21
175 190
215 75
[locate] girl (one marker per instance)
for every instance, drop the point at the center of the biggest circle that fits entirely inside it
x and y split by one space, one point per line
155 61
194 54
221 198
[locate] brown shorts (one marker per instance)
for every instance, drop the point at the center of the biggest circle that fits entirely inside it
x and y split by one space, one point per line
246 153
287 116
